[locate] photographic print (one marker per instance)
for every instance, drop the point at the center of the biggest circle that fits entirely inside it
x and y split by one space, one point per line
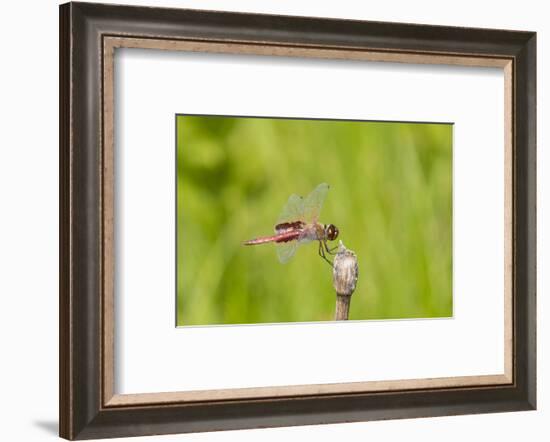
334 189
263 203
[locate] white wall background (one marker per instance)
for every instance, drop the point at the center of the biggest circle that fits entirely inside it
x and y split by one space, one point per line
29 217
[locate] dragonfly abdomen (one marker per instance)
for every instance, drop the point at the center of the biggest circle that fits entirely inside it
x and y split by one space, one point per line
280 237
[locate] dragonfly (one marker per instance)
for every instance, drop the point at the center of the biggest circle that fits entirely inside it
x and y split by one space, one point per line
299 224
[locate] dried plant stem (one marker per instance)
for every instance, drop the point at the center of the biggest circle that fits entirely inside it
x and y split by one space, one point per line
345 272
342 307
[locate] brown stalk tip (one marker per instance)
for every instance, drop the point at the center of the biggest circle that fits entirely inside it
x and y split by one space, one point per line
345 271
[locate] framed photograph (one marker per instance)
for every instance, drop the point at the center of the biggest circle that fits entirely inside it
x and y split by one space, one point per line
271 220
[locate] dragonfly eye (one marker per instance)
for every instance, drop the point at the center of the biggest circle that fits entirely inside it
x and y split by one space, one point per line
332 232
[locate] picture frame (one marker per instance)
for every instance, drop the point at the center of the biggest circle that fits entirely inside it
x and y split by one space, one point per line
89 34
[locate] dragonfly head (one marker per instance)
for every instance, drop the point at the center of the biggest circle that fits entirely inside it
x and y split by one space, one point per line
331 231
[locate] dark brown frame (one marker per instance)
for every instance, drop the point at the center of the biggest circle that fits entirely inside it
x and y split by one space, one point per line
89 33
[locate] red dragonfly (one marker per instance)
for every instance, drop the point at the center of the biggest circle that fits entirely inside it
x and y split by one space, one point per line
298 224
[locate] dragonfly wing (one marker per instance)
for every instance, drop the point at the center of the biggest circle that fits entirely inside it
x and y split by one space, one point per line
314 202
286 250
293 210
300 209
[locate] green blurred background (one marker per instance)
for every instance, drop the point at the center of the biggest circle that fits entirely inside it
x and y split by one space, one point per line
390 196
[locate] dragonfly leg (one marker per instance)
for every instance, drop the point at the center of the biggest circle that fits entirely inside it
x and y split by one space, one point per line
322 253
328 249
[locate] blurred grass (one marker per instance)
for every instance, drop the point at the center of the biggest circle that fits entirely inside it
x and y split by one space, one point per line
390 196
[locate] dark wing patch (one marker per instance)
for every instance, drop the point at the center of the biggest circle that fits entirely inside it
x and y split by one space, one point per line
283 227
